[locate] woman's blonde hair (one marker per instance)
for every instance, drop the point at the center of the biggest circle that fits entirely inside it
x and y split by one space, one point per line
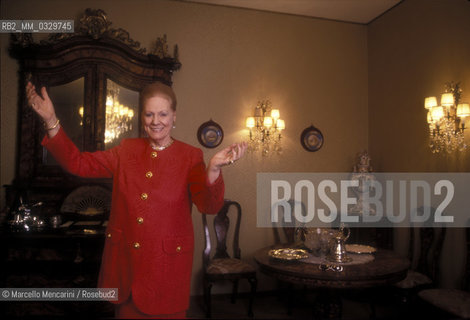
157 89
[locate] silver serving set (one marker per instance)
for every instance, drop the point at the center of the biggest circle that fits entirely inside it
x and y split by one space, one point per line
25 220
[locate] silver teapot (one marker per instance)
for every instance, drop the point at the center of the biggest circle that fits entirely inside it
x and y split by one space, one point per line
24 220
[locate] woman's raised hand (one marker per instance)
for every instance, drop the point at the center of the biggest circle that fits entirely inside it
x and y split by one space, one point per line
225 157
41 105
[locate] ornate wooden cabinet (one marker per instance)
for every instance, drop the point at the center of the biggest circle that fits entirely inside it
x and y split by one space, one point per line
93 76
79 68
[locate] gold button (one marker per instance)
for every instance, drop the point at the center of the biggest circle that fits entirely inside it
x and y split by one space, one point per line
144 196
140 220
109 235
153 154
178 248
149 174
136 245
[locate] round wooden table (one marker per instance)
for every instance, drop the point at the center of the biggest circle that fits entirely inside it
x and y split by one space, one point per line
386 268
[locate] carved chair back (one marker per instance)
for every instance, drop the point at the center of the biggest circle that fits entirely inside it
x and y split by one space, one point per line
425 248
221 228
285 231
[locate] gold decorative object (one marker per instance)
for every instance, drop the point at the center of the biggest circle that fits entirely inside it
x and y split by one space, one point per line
94 23
176 53
288 254
265 129
362 174
160 49
447 120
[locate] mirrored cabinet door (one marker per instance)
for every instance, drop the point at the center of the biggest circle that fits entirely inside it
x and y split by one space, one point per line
122 114
69 104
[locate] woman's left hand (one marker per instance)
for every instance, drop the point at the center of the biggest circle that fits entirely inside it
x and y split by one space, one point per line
227 156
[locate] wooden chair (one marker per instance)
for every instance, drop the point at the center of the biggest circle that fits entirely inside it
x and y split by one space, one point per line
221 266
425 249
455 302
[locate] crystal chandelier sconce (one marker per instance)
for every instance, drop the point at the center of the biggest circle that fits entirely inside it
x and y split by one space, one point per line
118 116
447 120
265 129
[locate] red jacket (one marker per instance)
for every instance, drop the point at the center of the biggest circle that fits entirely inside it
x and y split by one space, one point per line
149 238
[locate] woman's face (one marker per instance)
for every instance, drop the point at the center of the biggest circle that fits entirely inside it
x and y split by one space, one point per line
158 119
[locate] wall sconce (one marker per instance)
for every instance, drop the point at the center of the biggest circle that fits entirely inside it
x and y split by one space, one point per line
447 120
265 129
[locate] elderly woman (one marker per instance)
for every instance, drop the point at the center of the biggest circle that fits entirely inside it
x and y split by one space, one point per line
149 240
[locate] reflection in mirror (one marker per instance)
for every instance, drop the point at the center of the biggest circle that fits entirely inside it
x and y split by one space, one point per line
122 120
68 100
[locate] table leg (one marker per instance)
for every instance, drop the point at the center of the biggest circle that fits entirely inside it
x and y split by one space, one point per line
327 305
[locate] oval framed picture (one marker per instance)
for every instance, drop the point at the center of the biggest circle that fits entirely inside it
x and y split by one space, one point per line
210 134
311 139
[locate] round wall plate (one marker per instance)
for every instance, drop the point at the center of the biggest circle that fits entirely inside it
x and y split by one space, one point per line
210 134
311 139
